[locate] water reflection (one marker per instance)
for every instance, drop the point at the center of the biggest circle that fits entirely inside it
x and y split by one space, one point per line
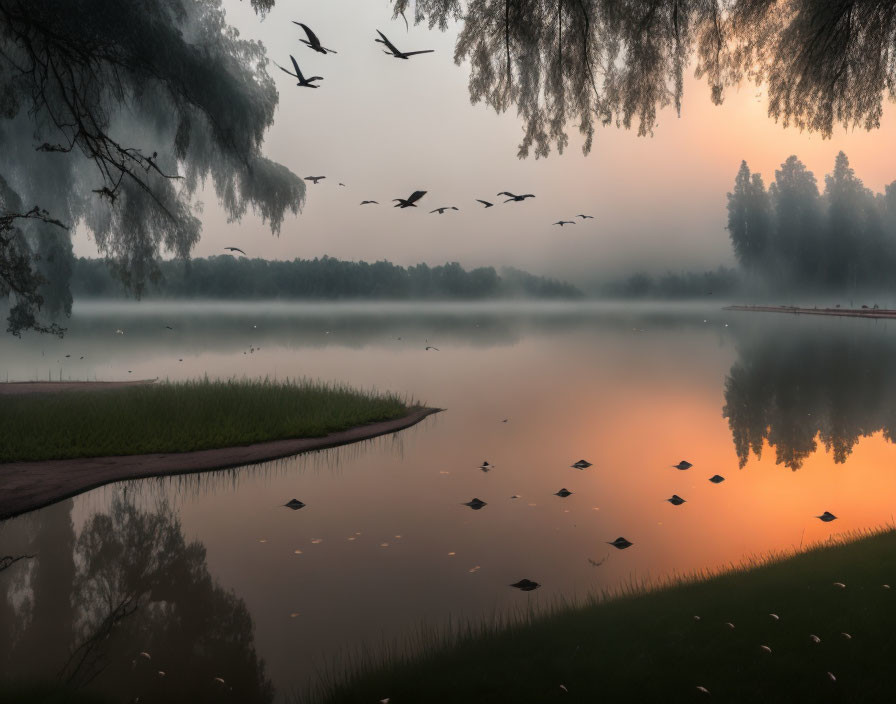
127 609
795 386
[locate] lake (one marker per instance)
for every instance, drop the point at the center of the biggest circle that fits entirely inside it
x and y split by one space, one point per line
211 576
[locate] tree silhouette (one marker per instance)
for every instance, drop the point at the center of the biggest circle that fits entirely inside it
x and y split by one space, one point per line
111 116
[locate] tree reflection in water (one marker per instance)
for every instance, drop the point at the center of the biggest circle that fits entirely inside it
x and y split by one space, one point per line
87 608
793 387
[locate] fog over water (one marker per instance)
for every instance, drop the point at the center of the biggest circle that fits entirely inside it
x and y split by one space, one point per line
385 543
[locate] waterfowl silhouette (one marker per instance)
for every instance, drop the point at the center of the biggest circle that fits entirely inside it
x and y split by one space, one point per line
313 42
441 211
526 585
563 493
675 500
484 202
315 179
369 202
475 504
717 479
684 464
561 223
410 201
827 517
430 347
585 217
303 82
485 464
294 504
395 51
621 543
513 197
581 464
236 249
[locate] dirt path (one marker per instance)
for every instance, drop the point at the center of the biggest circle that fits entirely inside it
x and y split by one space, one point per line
25 486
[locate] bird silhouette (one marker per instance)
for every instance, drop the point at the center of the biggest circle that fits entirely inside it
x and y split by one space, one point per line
430 347
561 223
410 201
585 217
236 249
315 179
484 202
395 51
303 82
369 202
512 197
526 585
621 543
313 42
441 211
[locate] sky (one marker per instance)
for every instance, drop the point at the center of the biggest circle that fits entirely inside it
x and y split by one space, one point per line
387 127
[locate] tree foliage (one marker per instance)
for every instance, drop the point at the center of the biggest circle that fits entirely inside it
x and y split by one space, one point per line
112 116
792 236
609 61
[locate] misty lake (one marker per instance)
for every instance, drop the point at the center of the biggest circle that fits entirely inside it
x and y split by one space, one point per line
209 574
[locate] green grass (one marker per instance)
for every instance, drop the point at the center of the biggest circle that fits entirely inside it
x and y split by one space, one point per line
642 644
179 417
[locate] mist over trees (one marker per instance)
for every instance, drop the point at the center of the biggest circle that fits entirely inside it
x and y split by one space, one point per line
791 235
228 278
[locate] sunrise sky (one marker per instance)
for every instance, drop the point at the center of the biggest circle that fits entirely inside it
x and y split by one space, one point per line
386 127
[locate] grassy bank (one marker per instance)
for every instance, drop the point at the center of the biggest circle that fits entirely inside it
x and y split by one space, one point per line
180 417
648 647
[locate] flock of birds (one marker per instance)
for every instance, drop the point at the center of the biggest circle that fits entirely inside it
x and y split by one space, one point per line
313 42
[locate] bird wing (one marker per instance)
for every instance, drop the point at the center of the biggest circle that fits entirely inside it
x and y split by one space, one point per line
286 71
235 249
437 210
298 71
312 37
528 195
389 44
415 196
484 202
507 193
423 51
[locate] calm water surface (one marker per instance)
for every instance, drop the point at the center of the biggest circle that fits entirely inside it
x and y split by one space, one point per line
212 577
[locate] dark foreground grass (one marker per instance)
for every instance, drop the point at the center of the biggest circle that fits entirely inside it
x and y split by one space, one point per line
648 647
180 417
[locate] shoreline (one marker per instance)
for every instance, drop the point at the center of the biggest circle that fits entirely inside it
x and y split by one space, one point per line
28 486
876 313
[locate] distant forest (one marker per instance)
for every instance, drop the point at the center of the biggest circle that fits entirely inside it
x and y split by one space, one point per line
790 235
718 282
229 278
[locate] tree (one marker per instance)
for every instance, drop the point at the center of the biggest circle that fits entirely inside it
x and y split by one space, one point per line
798 251
849 204
113 114
610 61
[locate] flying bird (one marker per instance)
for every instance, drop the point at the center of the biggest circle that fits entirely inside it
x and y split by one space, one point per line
315 179
430 347
369 202
313 42
484 202
303 82
585 217
236 249
441 211
410 201
512 197
561 223
395 52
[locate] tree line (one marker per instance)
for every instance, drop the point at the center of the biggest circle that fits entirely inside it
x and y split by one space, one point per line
791 235
327 278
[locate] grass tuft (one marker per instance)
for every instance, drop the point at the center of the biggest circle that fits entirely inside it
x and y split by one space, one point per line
182 417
